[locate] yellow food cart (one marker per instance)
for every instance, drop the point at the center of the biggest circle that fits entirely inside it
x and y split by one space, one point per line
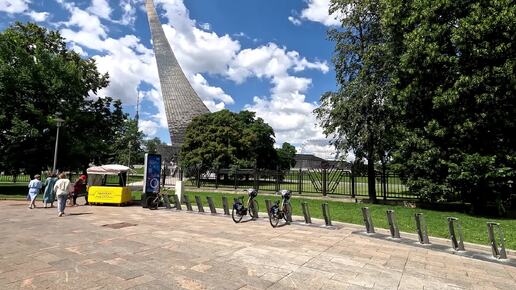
107 184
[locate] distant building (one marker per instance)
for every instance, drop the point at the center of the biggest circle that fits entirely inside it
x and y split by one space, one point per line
310 161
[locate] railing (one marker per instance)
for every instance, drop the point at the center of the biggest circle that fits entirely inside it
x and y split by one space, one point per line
320 181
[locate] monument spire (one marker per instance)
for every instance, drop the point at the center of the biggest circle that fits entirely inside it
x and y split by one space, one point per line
182 103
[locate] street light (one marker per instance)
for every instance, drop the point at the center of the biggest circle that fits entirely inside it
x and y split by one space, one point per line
59 122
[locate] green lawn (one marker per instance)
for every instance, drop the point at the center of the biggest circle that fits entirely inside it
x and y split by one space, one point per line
474 227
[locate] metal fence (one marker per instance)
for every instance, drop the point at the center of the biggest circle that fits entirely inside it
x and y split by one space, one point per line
332 181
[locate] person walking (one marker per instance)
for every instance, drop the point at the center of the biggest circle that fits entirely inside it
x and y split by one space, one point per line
62 188
78 188
34 188
49 194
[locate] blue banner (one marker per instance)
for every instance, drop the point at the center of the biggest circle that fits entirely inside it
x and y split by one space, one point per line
152 173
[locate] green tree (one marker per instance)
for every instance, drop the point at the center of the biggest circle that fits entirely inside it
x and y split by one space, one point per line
286 155
39 77
455 85
128 145
357 114
225 139
151 145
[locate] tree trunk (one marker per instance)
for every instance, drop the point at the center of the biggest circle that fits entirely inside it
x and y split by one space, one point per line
371 180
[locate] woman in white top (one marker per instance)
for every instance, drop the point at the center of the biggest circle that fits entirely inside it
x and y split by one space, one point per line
62 188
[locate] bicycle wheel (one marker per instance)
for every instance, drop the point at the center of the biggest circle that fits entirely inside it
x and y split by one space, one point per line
287 212
253 208
152 202
235 215
273 216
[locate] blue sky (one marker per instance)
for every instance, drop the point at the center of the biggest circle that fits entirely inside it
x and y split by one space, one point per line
268 56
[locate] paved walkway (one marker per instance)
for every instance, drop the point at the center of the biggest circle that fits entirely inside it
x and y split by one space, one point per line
179 250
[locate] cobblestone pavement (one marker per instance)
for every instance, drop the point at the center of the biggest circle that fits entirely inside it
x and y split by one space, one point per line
165 249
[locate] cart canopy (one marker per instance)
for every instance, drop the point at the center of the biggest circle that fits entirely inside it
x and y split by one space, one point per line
109 169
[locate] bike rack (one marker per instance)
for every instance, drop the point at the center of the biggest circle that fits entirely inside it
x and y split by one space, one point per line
306 212
368 221
498 253
393 225
422 232
199 204
225 205
289 215
213 210
188 203
268 205
255 211
178 203
326 214
456 245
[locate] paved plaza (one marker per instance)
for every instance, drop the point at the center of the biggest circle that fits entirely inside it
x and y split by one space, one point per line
134 248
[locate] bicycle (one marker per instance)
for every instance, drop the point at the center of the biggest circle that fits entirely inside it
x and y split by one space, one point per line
154 201
281 209
239 210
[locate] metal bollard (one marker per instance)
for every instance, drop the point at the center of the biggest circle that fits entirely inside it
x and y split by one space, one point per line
178 203
456 245
268 205
211 205
188 203
498 253
326 214
255 211
225 205
306 212
199 204
393 225
422 232
289 214
368 221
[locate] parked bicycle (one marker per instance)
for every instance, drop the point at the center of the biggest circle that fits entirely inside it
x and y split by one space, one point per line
154 201
281 209
239 210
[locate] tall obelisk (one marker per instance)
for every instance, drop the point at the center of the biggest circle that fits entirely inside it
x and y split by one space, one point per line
182 103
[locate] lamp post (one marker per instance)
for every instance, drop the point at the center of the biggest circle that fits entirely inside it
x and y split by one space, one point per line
59 123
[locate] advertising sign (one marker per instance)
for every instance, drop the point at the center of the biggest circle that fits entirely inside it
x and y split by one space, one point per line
152 173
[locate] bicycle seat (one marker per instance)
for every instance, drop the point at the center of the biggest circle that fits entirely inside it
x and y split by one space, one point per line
286 193
252 192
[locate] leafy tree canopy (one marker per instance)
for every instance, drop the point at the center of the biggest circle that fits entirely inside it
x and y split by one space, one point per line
455 88
225 139
40 77
286 155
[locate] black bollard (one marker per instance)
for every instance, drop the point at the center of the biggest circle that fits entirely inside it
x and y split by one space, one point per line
326 214
213 210
199 204
393 225
178 203
368 221
422 232
188 203
225 205
306 212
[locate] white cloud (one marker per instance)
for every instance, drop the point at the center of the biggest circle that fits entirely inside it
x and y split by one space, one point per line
210 94
148 127
294 20
205 26
100 8
320 148
318 11
14 6
129 12
38 16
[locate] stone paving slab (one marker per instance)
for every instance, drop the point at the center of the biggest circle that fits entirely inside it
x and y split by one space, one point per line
168 249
